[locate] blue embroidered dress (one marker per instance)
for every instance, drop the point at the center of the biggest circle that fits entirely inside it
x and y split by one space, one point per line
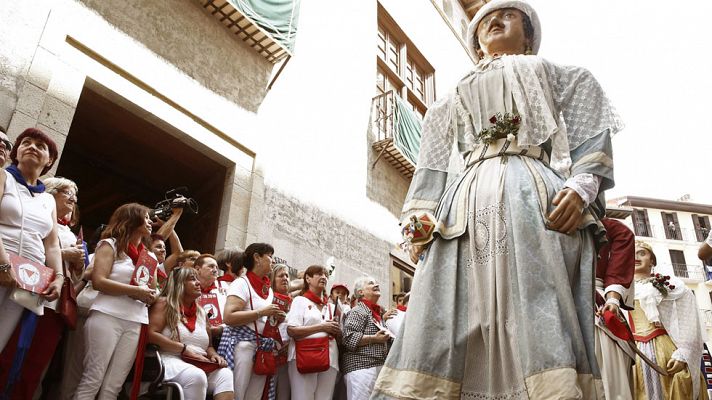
501 305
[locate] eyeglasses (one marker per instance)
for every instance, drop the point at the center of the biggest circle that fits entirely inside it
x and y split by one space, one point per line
6 144
68 193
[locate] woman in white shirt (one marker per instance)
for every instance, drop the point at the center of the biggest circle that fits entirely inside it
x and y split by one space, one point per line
249 304
179 326
28 228
114 323
311 316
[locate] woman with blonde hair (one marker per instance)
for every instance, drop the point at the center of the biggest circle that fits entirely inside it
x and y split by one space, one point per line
115 318
180 328
276 328
65 197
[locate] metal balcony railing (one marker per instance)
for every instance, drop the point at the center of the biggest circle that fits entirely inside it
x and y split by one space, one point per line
665 232
691 272
383 119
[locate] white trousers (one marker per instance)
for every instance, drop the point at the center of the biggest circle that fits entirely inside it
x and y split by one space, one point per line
10 314
616 368
284 391
360 383
316 386
73 359
196 384
111 349
248 386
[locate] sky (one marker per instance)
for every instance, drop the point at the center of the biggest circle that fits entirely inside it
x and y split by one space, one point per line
653 61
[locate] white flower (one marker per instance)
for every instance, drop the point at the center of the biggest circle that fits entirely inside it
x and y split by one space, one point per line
510 137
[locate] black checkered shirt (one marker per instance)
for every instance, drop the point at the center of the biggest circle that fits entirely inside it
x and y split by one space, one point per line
359 322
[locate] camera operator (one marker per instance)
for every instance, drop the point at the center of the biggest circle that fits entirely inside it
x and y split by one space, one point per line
166 229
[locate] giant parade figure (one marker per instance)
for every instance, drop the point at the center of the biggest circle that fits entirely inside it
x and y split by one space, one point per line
503 214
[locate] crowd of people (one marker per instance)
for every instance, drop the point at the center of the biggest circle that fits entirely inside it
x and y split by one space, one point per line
230 325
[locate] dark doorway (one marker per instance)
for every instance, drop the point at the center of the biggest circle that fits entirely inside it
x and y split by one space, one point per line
115 156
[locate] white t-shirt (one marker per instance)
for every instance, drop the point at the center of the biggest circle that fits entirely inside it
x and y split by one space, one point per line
122 307
304 312
17 202
242 289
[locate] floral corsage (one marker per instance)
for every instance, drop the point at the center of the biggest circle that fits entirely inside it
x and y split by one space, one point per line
660 282
504 126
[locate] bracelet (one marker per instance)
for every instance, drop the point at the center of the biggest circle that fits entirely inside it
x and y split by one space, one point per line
613 300
5 267
58 274
185 346
258 314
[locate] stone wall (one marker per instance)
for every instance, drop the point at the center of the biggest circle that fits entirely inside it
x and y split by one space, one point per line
305 235
195 42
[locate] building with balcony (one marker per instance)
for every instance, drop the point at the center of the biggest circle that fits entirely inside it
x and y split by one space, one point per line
675 230
264 110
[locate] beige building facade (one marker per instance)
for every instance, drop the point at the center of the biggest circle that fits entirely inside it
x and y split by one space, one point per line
145 96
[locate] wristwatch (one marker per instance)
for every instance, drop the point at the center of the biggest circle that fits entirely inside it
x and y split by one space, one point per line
5 267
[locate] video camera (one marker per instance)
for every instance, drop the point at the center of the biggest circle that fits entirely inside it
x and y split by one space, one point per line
164 208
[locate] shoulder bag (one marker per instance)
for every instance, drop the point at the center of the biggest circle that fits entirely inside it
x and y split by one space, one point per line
313 354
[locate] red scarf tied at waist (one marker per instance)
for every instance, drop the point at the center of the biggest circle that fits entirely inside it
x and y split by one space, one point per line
402 308
314 298
189 316
260 285
375 309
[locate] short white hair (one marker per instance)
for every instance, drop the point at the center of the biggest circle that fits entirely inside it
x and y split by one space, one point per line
55 184
361 283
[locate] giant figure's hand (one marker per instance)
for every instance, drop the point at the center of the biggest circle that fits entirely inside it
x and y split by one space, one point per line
415 251
568 213
675 366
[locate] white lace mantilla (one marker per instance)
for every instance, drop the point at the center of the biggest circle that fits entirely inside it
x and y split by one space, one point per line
561 103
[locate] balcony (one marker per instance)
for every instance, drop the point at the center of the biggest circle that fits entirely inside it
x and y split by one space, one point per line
666 233
269 28
397 130
690 273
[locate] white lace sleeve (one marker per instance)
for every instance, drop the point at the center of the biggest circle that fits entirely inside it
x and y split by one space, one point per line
586 185
586 110
437 137
681 320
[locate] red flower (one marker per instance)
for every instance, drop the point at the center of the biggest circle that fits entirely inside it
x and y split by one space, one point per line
516 119
672 287
493 119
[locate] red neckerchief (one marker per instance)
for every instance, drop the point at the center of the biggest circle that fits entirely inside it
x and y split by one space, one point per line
161 274
284 297
375 309
189 316
226 278
133 252
63 221
402 308
314 298
207 289
260 285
